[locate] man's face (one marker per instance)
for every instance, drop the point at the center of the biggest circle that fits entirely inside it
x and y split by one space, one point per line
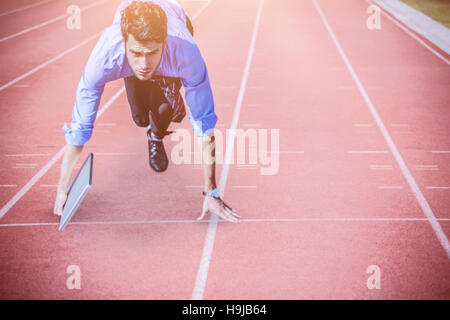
143 59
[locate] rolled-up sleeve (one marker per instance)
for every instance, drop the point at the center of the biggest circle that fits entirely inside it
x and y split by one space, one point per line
90 88
198 93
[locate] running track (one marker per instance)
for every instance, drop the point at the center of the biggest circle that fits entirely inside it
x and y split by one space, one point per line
363 177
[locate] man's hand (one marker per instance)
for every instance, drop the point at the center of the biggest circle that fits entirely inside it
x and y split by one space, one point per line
61 198
219 207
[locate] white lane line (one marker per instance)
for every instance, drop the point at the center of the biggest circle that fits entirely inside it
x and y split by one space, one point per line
200 10
443 188
254 105
24 8
440 151
42 65
21 86
406 173
389 187
49 21
398 24
28 155
202 274
194 187
128 222
49 164
362 125
48 185
8 185
367 151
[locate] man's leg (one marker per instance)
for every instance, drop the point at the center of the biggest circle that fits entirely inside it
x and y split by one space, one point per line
160 117
150 108
138 97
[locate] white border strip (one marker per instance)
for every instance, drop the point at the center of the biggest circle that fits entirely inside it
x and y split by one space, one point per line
398 24
406 173
432 30
202 274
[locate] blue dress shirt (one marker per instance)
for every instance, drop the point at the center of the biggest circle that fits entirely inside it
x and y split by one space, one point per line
181 58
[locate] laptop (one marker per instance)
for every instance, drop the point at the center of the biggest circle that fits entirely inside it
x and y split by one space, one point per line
77 191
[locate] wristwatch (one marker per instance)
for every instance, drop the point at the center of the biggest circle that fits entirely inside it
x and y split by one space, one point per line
212 193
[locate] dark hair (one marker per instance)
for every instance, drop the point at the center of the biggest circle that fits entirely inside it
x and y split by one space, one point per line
146 21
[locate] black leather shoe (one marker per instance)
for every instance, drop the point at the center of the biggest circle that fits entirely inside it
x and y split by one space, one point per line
157 155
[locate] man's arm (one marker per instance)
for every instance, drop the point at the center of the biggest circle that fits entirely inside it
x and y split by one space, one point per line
98 70
71 156
212 204
209 164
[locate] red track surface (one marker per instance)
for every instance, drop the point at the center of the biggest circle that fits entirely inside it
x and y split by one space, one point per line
309 231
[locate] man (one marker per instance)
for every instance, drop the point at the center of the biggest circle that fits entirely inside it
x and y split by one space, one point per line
150 46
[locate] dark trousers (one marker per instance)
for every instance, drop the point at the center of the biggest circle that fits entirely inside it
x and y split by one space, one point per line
148 105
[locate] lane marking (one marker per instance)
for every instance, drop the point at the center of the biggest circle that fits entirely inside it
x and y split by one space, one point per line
49 21
202 274
81 223
390 187
406 173
28 155
366 151
48 185
8 185
443 188
440 151
42 65
24 8
426 167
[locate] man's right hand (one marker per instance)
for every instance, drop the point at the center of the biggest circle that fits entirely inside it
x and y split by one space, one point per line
61 198
71 155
